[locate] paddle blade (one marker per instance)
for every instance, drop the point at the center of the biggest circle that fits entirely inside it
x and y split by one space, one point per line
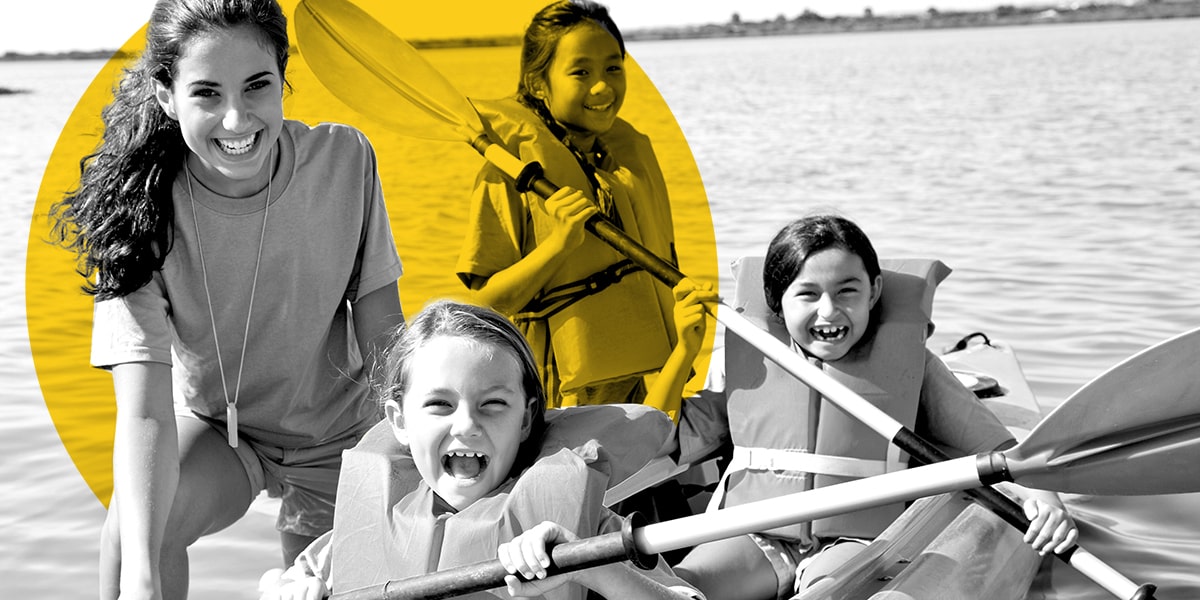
1133 430
380 75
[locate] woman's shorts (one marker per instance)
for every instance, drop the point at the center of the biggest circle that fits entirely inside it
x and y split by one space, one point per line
304 479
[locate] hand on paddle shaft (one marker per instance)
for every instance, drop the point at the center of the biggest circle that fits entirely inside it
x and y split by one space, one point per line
571 210
1039 514
377 73
691 323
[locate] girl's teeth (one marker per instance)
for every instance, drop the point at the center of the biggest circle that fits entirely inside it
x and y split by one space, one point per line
827 334
465 464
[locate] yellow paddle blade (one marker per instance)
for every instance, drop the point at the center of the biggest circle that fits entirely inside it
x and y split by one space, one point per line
1133 430
370 68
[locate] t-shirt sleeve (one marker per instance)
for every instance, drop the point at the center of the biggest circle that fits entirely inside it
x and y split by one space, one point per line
952 417
379 263
495 227
704 419
661 572
132 328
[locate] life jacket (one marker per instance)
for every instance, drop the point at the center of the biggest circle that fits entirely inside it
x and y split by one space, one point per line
788 439
385 528
607 318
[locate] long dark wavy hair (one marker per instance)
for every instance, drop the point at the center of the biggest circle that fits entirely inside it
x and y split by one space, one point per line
538 48
482 325
119 219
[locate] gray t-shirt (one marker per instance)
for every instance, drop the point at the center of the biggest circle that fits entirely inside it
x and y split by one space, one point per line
328 243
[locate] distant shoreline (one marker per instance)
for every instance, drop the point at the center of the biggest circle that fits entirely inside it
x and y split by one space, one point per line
807 23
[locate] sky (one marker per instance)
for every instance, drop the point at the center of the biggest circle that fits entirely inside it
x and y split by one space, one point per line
62 25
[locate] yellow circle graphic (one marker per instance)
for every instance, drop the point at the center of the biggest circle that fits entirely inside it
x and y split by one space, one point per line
427 186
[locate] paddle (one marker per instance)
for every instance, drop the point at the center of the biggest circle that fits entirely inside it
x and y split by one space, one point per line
1079 448
377 73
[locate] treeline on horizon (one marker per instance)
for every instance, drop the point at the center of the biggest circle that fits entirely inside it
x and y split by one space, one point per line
807 22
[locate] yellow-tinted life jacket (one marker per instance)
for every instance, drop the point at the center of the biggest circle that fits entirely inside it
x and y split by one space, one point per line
608 319
788 439
385 527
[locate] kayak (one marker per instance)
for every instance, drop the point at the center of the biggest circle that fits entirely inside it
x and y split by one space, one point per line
947 546
942 547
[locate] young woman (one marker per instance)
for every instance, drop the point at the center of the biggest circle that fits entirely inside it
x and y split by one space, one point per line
226 247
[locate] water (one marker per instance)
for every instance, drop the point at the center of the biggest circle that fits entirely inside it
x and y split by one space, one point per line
1056 168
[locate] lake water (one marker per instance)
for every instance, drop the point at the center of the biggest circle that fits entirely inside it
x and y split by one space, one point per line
1055 168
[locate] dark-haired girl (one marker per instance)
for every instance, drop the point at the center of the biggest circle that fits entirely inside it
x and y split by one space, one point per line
822 290
597 323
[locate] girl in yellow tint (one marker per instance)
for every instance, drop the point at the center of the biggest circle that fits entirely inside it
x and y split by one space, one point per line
821 289
237 360
469 466
597 322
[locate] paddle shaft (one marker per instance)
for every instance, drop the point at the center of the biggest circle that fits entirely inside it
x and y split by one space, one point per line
485 575
642 544
529 177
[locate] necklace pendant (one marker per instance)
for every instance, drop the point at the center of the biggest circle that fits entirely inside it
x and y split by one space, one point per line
231 424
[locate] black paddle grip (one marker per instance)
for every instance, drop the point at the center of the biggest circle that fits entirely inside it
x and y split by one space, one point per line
1144 592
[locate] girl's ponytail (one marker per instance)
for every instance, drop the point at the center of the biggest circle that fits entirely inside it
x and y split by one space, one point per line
119 219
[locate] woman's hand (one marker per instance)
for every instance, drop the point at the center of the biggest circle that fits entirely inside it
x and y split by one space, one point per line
527 555
571 209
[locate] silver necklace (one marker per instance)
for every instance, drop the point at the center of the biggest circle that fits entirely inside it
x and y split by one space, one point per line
231 418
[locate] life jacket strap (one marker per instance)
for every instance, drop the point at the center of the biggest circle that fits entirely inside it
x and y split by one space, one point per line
774 459
552 301
802 461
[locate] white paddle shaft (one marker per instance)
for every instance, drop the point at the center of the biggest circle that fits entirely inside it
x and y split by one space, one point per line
1104 575
899 486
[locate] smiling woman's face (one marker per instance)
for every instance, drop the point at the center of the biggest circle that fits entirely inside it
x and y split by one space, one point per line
465 414
227 95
